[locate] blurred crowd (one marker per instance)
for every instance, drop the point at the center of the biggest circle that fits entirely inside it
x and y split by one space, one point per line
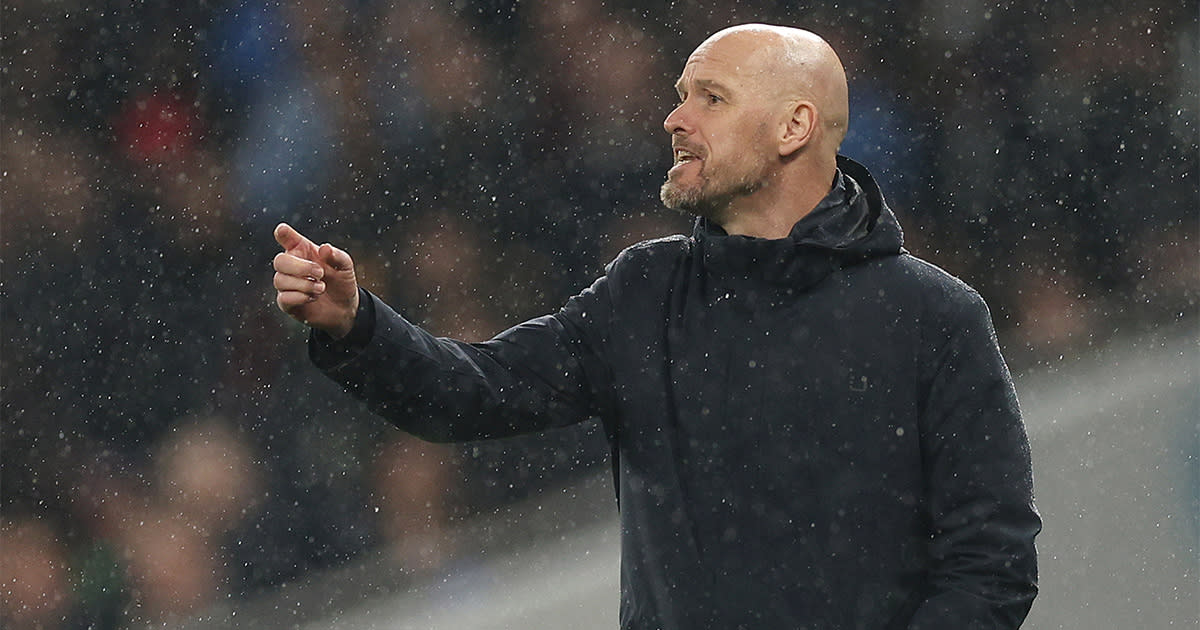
165 445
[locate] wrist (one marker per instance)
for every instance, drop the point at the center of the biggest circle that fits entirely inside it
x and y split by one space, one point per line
357 329
342 329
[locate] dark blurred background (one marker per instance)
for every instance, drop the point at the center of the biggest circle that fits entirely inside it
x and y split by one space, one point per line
165 446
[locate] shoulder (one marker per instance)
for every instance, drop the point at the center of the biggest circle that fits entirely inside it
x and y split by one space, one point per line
919 287
634 282
636 269
927 278
652 254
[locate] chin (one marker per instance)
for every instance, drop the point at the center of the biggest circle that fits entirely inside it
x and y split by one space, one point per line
690 200
688 204
677 197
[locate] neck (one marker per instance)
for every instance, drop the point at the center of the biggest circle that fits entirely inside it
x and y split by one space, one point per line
774 209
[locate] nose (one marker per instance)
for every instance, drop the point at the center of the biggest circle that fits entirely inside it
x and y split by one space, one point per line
675 122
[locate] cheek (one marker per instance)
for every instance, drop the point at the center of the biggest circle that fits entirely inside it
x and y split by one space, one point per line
754 148
763 135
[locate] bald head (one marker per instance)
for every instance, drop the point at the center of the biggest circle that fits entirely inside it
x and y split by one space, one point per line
762 110
792 64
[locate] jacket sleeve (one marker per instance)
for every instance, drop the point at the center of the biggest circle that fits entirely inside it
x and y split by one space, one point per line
978 473
543 373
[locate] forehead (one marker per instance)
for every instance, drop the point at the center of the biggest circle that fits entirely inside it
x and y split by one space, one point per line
728 62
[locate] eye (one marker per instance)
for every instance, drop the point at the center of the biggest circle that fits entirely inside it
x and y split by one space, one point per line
713 99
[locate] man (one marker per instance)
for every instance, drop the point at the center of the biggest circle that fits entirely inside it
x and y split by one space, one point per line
810 427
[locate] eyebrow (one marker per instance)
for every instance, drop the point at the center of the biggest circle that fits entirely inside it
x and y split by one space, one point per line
703 84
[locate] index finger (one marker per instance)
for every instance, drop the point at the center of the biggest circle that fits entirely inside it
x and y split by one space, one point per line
294 242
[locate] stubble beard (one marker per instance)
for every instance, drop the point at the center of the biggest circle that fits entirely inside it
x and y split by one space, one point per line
700 201
680 199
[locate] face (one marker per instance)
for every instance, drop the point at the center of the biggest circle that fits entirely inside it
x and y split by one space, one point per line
720 131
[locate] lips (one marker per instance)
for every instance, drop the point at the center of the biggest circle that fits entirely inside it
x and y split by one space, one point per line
684 156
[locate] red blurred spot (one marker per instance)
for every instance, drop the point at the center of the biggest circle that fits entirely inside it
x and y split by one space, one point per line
160 128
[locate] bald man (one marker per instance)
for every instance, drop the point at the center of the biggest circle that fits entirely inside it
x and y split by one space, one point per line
810 427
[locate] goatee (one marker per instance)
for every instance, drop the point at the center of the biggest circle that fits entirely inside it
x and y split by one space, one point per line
696 201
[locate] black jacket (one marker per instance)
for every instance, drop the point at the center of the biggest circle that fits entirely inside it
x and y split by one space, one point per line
813 432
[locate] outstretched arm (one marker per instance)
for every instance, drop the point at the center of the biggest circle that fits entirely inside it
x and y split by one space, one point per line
534 376
540 374
315 284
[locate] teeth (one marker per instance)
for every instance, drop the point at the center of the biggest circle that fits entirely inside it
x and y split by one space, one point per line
682 155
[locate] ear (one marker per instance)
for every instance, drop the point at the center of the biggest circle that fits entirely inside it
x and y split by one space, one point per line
798 128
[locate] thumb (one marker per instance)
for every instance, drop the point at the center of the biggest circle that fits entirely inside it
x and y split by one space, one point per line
335 258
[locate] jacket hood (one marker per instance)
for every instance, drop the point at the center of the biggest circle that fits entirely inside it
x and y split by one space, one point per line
851 225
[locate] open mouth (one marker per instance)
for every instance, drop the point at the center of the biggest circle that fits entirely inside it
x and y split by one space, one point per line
683 156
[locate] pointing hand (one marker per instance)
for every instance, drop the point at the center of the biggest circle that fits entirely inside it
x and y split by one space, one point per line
315 284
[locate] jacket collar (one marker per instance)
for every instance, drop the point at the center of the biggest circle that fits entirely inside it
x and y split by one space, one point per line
850 225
